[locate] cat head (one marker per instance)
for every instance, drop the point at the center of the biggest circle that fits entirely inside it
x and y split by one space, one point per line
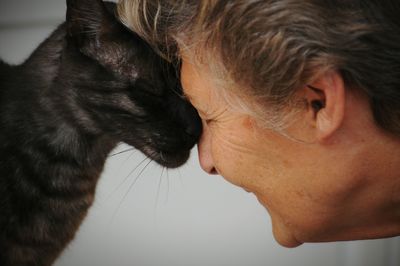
128 91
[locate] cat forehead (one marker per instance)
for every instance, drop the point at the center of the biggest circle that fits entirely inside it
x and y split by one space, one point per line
116 58
119 62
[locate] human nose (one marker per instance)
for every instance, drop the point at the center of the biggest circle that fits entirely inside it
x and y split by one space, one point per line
205 154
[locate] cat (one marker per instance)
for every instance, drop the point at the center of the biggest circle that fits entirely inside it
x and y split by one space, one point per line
89 86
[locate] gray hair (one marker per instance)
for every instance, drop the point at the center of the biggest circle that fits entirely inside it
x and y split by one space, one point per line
270 48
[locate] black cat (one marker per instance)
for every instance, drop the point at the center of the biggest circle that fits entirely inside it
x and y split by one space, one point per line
90 85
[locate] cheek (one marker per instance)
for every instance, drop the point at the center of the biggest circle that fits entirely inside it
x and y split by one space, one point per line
260 167
301 206
245 164
235 155
227 160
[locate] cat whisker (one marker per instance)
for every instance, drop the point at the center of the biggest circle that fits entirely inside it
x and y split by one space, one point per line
144 168
121 152
126 159
180 177
129 189
161 156
126 177
159 188
167 194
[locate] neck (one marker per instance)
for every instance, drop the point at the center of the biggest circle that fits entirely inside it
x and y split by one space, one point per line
44 62
385 180
48 112
42 139
374 209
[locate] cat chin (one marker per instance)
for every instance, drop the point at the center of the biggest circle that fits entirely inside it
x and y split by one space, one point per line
168 159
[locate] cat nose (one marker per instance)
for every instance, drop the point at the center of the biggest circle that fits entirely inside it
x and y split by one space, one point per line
193 125
189 120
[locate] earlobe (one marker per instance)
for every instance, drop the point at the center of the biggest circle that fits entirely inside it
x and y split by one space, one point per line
326 100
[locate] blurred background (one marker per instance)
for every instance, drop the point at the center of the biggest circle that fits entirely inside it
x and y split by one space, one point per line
147 216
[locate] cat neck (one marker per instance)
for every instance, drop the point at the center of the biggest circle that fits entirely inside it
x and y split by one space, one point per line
44 61
37 106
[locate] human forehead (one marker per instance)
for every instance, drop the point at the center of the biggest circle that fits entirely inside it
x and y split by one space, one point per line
207 91
198 83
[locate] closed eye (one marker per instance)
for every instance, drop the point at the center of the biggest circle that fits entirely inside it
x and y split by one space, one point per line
149 88
209 121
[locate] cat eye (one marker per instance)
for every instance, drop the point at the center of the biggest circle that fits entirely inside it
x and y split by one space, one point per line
149 88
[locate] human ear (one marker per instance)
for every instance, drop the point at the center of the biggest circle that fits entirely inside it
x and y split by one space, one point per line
325 99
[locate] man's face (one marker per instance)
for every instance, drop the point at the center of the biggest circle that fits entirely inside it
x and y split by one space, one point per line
301 184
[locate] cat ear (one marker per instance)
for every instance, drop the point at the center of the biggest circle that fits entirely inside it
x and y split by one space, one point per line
97 33
86 20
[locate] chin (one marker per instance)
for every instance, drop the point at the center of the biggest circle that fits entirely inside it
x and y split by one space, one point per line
284 236
288 243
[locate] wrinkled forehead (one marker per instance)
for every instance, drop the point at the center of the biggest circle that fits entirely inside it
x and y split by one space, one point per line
206 93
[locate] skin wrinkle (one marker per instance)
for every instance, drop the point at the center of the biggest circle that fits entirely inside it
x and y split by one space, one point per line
325 164
275 161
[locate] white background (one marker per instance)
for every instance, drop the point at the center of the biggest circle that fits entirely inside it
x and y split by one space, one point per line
176 217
